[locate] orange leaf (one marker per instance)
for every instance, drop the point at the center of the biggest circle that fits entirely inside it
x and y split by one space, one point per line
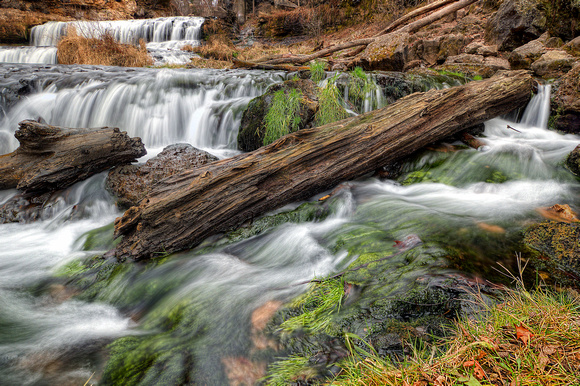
523 334
481 354
478 371
468 363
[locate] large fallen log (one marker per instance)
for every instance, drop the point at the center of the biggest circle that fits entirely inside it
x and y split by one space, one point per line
51 158
183 210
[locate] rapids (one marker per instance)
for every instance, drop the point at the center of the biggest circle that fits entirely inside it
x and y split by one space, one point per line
190 313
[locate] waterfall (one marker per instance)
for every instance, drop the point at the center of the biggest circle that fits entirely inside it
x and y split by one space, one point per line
201 107
158 30
537 112
164 36
43 55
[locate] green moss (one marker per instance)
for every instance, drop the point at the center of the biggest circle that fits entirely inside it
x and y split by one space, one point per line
99 239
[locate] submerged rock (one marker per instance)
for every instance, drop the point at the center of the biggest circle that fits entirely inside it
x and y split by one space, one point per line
131 183
566 102
252 128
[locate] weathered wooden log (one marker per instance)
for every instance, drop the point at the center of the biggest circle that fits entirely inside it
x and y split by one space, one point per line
51 158
183 210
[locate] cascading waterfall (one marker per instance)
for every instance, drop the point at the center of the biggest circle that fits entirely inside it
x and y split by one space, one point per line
53 338
201 107
164 37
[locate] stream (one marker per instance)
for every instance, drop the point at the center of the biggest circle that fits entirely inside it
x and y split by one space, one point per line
187 318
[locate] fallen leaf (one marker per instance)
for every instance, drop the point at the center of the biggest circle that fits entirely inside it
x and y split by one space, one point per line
559 213
549 350
468 363
481 354
440 381
523 334
324 198
478 371
490 228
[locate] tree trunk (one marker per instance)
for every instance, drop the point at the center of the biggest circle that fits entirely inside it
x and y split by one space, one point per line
417 25
51 158
321 53
181 211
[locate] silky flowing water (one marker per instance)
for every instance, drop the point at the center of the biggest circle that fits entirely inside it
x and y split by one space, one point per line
187 317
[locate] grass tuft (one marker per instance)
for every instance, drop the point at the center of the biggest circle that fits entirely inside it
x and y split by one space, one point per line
317 72
294 368
330 107
283 116
360 84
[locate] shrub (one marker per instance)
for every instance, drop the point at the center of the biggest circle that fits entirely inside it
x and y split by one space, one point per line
103 50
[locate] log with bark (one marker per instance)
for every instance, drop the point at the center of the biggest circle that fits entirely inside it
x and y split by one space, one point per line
51 158
181 211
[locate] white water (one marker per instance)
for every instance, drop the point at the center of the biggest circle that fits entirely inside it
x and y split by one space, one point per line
164 37
40 55
204 108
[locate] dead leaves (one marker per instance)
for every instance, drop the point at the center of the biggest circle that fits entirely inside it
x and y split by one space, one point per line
478 371
523 334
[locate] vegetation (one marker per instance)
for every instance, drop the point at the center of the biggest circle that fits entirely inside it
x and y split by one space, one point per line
282 117
330 104
529 338
101 49
317 72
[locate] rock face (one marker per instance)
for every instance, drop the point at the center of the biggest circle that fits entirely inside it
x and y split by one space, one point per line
516 23
566 102
252 129
130 183
523 56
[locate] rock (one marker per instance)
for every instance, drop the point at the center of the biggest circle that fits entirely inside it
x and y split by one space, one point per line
475 65
555 248
487 51
387 53
130 183
573 46
562 213
553 64
472 47
566 102
523 56
252 131
435 50
516 23
554 42
573 161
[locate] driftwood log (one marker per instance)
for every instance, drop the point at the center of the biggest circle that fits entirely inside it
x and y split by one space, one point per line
183 210
51 158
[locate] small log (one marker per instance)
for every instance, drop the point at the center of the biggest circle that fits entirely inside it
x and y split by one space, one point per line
413 14
319 54
52 158
417 25
183 210
472 141
262 66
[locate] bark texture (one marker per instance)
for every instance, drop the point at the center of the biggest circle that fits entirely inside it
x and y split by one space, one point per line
183 210
51 158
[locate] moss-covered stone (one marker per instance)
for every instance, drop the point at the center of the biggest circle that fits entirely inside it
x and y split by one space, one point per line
557 250
252 128
573 161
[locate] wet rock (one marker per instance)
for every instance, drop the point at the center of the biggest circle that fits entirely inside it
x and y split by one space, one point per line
387 53
573 161
523 56
131 183
553 64
515 23
556 250
566 102
24 208
474 65
252 130
559 212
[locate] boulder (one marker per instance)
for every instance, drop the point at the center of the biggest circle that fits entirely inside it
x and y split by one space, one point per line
573 47
436 49
566 102
553 64
252 129
475 65
555 249
387 53
523 56
516 23
573 161
130 183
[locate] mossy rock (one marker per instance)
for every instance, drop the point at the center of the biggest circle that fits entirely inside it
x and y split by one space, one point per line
566 102
573 161
252 128
557 247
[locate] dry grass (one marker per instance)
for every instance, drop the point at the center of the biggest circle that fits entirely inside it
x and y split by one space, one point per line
104 50
217 47
531 338
209 63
